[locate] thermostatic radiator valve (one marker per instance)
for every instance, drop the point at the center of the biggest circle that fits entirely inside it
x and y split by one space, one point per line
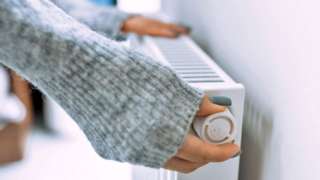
218 128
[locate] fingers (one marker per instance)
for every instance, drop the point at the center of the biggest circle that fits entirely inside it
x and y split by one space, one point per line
162 32
177 28
181 165
158 28
208 108
147 26
196 150
174 29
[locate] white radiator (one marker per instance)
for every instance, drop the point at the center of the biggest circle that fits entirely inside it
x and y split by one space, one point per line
195 67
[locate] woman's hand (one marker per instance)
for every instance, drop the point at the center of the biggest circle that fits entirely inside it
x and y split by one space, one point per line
195 153
146 26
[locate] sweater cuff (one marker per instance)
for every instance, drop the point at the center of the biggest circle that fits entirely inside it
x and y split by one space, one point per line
169 129
119 18
105 20
190 104
115 19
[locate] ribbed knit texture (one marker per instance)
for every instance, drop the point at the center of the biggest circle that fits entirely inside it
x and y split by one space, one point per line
131 108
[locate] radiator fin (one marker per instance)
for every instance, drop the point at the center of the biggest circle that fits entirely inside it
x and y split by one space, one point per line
186 62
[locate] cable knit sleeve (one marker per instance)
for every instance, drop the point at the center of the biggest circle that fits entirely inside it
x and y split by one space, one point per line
131 108
104 19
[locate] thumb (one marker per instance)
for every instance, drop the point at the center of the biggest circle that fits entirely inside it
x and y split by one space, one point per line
207 107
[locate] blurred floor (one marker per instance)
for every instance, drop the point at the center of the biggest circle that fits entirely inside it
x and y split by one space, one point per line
63 155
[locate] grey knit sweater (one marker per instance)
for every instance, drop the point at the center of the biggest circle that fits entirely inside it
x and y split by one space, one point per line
105 20
131 108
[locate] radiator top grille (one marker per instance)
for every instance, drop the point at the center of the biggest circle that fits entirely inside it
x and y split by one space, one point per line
188 64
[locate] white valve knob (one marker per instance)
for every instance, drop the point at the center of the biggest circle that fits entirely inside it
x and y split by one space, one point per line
219 128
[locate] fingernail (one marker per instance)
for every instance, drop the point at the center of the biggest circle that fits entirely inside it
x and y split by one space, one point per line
221 100
188 29
176 35
238 154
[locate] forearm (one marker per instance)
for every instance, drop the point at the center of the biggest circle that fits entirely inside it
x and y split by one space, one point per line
130 108
106 20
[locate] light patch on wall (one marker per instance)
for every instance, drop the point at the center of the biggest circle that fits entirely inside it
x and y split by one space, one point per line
140 6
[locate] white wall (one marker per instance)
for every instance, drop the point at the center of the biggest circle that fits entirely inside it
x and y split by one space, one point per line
273 47
139 6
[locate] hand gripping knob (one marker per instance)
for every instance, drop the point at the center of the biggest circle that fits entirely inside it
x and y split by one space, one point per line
219 128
